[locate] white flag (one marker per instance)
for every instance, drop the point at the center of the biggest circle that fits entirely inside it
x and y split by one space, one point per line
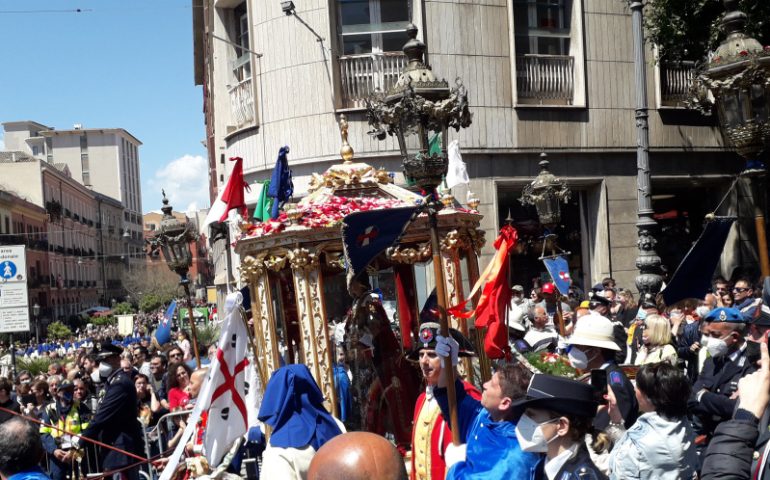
226 402
457 173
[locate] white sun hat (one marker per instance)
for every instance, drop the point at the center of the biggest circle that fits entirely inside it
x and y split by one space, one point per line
594 330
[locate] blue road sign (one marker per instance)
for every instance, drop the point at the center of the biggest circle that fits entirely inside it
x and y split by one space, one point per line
7 270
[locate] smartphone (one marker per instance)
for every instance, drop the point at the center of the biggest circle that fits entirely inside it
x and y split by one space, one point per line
599 383
753 353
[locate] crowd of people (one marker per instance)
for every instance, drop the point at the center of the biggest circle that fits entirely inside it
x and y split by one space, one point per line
100 385
656 393
653 392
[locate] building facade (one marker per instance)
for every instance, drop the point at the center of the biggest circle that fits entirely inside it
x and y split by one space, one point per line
24 223
70 229
551 76
105 160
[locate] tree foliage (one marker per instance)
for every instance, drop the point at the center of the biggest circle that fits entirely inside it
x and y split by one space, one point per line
107 320
690 29
123 308
155 281
58 331
35 366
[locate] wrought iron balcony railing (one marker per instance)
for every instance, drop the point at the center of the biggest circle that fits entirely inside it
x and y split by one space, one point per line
362 75
545 79
675 81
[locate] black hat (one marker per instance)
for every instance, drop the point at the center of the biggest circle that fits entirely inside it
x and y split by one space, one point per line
763 319
427 340
598 300
558 394
107 350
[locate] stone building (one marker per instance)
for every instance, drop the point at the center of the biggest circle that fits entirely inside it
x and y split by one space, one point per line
551 76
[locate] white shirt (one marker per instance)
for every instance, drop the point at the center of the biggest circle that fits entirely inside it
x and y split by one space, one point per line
553 465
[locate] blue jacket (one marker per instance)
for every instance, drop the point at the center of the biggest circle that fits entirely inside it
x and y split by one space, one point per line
492 450
34 474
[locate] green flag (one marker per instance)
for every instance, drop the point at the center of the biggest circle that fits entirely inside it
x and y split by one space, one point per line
264 204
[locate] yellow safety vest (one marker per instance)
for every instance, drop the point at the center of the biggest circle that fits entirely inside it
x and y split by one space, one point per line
70 424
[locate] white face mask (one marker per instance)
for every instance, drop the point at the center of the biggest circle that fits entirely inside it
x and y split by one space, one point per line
530 435
578 358
716 347
105 369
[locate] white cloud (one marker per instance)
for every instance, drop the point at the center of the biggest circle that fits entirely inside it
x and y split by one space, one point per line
186 182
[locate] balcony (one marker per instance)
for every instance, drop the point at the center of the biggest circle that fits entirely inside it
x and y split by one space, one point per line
675 82
545 79
363 75
242 103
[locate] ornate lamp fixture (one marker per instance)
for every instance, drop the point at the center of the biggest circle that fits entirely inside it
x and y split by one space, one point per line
546 193
738 78
419 110
173 239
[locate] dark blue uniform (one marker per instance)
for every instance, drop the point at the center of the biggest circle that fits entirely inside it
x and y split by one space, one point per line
116 424
720 380
624 394
579 467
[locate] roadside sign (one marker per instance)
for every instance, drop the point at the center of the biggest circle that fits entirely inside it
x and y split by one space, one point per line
14 301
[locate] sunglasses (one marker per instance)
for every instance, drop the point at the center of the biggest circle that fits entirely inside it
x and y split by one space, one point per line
739 289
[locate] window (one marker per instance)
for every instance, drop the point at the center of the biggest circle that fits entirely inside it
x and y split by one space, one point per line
242 63
49 150
373 26
542 26
549 57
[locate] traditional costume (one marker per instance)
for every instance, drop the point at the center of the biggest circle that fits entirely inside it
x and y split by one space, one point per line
293 408
431 434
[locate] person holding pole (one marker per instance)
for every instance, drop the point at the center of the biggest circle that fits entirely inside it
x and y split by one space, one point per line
431 435
488 426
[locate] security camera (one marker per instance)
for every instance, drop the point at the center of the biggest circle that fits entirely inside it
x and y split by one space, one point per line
287 7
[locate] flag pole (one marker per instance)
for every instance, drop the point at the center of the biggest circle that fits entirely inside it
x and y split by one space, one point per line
443 321
193 332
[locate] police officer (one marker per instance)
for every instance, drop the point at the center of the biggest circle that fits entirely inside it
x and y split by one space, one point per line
723 337
115 422
61 419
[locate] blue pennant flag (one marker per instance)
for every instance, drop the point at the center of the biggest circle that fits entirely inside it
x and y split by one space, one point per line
692 278
281 186
163 333
367 234
559 270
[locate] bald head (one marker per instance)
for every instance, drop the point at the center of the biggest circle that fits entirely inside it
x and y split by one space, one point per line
357 456
541 317
196 381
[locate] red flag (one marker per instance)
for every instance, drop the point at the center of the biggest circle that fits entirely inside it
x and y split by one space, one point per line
233 195
494 300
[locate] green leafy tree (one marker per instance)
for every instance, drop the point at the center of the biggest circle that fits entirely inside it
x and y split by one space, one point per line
690 29
107 320
58 331
123 308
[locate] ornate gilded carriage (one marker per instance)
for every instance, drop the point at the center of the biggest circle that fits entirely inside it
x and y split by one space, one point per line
294 267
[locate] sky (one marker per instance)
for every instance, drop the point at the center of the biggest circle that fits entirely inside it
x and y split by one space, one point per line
115 64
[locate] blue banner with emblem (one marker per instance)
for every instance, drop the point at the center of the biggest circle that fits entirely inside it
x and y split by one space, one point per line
559 270
367 234
163 333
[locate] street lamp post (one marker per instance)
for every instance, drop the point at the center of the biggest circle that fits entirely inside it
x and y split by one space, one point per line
738 78
547 193
419 110
648 281
173 239
36 313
